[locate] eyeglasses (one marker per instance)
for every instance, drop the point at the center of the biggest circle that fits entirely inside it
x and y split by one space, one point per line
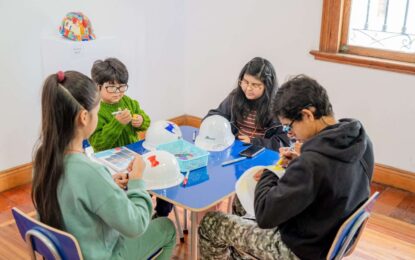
114 89
245 84
288 128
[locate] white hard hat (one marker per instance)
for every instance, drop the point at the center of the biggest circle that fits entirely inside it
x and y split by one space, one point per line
215 134
245 186
162 170
161 132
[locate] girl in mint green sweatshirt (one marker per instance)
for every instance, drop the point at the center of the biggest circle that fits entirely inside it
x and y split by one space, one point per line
120 117
74 194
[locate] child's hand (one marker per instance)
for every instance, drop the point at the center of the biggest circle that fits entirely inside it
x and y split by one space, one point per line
121 179
136 168
297 147
258 174
244 139
124 117
287 156
137 120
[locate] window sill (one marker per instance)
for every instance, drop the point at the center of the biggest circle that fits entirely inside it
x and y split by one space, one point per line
375 63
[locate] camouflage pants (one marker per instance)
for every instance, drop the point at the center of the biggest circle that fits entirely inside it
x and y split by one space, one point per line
237 207
223 236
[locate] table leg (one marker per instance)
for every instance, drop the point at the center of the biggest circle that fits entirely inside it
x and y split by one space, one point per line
185 231
179 226
193 236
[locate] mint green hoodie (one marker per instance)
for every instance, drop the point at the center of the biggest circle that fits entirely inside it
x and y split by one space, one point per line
110 133
97 212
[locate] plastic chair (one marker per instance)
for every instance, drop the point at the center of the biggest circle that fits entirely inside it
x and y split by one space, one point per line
351 230
50 242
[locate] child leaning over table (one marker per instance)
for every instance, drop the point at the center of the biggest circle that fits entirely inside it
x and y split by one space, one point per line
120 117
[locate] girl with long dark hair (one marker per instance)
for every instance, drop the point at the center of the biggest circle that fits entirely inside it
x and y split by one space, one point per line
247 107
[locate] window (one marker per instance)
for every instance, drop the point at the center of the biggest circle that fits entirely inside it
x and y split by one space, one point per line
372 33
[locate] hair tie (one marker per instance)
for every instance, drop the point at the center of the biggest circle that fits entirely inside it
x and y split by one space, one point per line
61 76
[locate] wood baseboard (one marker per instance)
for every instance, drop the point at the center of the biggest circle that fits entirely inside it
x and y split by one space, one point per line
394 177
383 174
16 176
187 120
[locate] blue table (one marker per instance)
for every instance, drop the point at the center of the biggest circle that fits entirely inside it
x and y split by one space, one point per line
209 185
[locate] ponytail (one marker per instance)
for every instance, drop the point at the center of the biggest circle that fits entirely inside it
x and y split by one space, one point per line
64 95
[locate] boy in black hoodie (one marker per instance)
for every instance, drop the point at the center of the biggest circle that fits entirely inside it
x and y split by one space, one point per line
299 214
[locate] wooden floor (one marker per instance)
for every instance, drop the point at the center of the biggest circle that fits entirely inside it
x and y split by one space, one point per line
390 233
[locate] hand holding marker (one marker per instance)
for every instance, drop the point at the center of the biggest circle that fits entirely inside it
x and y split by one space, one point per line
292 148
117 112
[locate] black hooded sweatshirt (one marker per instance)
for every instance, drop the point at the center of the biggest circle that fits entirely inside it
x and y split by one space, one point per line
319 190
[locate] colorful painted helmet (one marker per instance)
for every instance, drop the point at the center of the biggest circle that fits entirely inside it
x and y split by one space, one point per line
162 170
76 27
215 134
161 132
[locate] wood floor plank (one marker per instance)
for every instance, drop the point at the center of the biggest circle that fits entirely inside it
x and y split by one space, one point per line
5 204
18 196
388 201
392 227
377 245
406 209
377 187
11 244
385 238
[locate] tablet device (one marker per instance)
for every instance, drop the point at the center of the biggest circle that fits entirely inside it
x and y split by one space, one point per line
252 151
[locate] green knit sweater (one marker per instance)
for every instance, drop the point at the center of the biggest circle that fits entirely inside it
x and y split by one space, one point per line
110 133
97 212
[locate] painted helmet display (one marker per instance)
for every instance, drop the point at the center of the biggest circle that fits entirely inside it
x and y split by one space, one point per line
76 27
161 132
162 170
215 134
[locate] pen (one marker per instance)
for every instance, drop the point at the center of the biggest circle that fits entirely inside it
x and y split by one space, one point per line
233 161
186 178
116 113
126 186
194 136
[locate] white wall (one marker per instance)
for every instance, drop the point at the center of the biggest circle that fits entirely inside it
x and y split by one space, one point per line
184 57
149 40
223 35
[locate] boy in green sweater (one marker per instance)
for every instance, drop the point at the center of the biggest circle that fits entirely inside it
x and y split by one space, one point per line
119 117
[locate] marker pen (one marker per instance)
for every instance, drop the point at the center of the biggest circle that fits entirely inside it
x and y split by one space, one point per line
186 178
233 161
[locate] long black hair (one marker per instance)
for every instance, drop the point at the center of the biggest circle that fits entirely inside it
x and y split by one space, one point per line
263 70
64 95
